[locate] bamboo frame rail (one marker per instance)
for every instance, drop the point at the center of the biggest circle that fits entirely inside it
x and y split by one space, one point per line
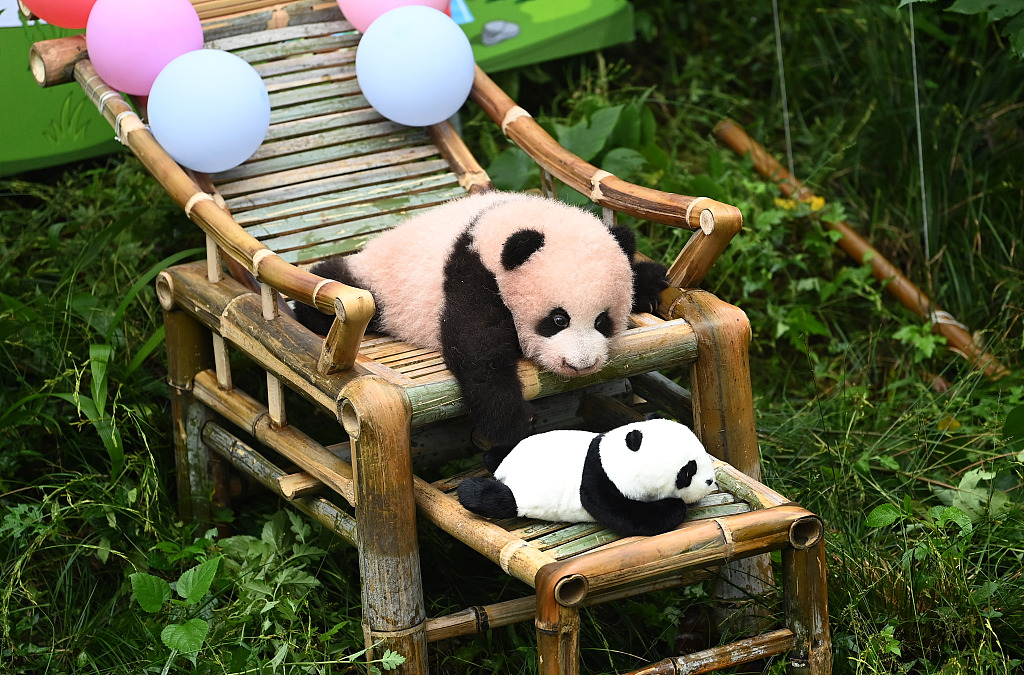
715 224
912 297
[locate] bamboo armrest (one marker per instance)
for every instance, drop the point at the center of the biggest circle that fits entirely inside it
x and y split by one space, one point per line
56 61
714 223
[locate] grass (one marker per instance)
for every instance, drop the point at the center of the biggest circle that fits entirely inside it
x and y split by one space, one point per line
913 459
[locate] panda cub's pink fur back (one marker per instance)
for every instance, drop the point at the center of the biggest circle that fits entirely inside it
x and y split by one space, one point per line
406 266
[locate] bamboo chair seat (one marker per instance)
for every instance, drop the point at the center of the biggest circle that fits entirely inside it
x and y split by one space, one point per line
331 174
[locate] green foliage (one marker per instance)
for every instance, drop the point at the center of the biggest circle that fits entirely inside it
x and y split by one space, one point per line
1008 13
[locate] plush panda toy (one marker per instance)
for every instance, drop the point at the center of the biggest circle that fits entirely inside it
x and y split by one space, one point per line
635 479
493 277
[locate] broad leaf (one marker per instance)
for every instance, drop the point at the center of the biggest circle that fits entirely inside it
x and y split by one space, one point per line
186 638
151 592
883 515
195 582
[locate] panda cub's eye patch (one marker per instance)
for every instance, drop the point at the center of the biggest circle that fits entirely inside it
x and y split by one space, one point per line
603 324
555 322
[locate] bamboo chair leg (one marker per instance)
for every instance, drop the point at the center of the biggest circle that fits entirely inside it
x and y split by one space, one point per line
558 644
723 418
189 350
376 416
807 610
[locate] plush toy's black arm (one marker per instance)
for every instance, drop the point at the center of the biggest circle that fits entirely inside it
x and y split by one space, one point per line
610 508
335 267
481 348
487 497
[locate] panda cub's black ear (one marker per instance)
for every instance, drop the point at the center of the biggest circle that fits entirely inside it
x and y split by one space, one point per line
633 439
626 238
519 247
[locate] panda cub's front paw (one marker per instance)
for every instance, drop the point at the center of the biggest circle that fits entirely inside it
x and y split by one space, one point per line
649 280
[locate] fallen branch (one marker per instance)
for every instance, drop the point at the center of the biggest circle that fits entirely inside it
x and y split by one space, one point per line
958 338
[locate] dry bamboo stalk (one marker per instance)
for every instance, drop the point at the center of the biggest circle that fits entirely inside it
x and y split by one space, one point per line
53 61
472 176
485 617
249 414
247 460
913 298
189 351
665 394
558 642
515 556
732 654
806 598
756 494
375 414
295 485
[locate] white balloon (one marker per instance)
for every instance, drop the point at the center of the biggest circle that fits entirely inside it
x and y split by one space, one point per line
209 109
415 65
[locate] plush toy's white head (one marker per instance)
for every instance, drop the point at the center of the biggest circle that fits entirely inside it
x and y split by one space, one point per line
656 459
564 277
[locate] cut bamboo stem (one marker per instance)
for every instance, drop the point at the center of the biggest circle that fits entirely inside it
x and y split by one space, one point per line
733 654
957 336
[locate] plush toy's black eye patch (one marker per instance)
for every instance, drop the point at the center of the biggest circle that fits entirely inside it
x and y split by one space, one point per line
686 474
603 324
555 322
633 439
519 247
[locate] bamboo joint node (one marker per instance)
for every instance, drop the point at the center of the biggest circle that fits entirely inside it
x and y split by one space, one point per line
193 200
511 116
595 184
940 316
507 551
257 258
121 130
726 536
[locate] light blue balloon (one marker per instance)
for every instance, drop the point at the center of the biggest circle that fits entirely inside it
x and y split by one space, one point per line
209 109
415 65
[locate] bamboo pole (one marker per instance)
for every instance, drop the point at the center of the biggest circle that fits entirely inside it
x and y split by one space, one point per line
247 460
189 351
913 298
375 414
472 176
806 599
726 656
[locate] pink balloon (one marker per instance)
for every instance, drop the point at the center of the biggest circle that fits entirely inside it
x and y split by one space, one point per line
63 13
361 13
130 41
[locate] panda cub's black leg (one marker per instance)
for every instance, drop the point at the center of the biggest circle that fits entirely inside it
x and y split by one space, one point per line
487 497
481 348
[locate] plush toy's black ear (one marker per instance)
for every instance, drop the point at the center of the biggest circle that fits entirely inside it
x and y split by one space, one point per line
686 474
519 247
633 439
627 240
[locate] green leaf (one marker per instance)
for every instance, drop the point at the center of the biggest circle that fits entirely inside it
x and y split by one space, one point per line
883 515
186 638
513 170
588 137
977 500
195 582
391 660
151 592
99 359
625 163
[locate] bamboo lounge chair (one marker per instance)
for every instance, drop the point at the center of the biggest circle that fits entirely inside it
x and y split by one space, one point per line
329 175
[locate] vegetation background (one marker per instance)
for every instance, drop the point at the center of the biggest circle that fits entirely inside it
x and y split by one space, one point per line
908 119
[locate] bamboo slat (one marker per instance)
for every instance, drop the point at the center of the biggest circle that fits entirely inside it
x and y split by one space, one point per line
298 32
226 23
959 338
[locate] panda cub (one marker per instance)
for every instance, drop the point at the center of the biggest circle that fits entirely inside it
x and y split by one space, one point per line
635 480
493 277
